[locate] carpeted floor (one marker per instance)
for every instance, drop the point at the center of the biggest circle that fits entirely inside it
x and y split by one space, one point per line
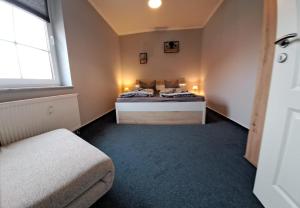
191 166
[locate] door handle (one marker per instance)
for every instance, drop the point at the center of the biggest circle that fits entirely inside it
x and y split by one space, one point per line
285 40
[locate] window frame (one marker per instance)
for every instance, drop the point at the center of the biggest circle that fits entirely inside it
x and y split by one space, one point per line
6 83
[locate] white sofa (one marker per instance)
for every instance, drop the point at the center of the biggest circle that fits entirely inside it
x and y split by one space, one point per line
55 169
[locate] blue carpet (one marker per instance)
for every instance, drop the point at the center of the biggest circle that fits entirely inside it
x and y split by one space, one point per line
191 166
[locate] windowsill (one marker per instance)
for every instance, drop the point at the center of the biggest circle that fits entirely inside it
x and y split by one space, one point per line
16 89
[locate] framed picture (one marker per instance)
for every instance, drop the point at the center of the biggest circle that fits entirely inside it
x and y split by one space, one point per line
143 58
171 46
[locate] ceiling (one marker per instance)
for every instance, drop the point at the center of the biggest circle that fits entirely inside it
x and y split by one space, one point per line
134 16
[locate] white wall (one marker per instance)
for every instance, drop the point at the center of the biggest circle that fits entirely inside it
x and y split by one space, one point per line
226 54
186 63
232 42
94 58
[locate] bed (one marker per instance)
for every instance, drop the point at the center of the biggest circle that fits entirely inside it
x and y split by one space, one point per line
161 110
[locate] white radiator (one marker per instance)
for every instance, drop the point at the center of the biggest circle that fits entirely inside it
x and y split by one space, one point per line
26 118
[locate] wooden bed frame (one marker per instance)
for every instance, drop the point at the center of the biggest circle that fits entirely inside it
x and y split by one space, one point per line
161 112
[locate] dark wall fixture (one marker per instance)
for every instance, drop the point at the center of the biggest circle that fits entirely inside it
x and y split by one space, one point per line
143 58
171 46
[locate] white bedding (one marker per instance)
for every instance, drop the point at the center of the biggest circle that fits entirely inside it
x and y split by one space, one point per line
138 93
175 92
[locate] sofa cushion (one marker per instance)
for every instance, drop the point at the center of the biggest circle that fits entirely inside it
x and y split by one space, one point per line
50 170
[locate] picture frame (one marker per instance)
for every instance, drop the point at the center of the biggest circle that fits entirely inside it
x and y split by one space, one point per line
143 58
171 46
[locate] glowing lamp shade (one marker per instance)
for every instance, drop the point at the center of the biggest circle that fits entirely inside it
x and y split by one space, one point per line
182 82
154 4
195 87
126 89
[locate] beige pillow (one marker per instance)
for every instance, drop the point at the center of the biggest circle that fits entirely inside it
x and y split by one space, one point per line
168 90
147 84
160 87
172 83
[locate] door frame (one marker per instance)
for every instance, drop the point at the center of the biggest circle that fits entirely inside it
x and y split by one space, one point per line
263 82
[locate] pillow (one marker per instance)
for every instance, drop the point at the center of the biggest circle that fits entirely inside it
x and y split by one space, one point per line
168 90
172 84
147 84
180 90
160 87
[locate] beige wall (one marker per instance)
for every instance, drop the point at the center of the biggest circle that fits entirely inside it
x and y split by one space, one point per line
186 63
93 49
223 58
232 42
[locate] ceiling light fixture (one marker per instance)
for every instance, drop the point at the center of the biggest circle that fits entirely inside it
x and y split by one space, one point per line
154 4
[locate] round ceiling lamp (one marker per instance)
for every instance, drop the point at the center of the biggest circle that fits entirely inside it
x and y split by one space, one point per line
154 4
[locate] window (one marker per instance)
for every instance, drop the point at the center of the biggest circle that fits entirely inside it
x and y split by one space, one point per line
27 57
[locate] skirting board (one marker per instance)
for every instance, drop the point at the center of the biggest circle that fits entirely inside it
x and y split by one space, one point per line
96 118
232 120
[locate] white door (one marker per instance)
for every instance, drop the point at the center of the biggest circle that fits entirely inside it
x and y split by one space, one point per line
277 182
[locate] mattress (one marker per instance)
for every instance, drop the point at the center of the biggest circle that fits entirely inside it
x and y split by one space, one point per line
160 99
